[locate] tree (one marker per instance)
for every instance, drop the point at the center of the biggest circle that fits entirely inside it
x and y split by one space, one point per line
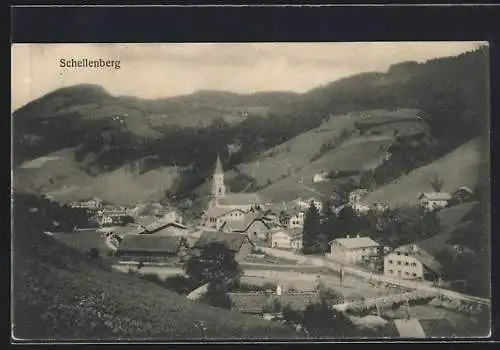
216 262
321 245
437 183
291 316
321 320
272 306
312 228
217 295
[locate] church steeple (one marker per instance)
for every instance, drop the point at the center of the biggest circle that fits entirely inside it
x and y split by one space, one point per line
218 187
218 166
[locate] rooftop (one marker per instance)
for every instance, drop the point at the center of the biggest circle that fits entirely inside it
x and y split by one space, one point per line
242 225
356 242
436 196
216 212
218 166
421 328
231 240
151 243
240 199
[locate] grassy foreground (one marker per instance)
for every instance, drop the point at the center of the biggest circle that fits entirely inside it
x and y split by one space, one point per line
60 295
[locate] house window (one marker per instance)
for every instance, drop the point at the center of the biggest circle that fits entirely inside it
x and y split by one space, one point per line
407 274
391 271
398 253
414 274
399 262
406 254
364 249
390 261
413 264
406 263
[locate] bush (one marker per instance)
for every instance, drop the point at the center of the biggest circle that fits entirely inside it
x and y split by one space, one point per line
269 285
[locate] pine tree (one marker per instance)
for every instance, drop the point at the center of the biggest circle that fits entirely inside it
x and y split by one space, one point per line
312 229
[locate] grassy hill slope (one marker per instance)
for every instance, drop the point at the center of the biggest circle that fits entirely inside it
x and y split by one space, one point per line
59 295
60 176
355 151
465 166
296 153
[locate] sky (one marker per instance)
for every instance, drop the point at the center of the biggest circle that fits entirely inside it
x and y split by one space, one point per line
164 70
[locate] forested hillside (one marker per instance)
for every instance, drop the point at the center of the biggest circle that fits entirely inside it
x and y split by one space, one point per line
451 94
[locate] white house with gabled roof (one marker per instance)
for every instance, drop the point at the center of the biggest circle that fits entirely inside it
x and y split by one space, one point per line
434 200
353 249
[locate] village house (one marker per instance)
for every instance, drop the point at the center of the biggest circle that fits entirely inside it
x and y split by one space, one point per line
434 200
353 250
170 215
305 204
294 221
356 195
152 248
463 194
286 239
411 262
214 218
360 208
239 244
254 227
105 220
422 260
92 204
219 198
320 177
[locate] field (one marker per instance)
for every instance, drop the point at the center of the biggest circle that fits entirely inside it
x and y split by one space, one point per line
62 178
60 295
84 240
296 153
358 154
462 167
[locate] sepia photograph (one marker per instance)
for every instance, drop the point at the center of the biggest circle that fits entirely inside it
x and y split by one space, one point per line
250 191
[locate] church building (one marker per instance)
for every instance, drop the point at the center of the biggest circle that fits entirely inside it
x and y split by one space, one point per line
220 198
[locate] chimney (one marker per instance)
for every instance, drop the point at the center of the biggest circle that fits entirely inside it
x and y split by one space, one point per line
348 236
279 289
414 247
357 236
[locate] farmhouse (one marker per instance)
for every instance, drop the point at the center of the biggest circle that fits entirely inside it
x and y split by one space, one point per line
353 249
286 239
253 227
152 248
239 244
220 199
434 200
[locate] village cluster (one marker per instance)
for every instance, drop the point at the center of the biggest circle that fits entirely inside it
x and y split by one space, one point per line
245 224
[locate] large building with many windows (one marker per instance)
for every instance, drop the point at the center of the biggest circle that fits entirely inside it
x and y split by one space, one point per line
411 262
